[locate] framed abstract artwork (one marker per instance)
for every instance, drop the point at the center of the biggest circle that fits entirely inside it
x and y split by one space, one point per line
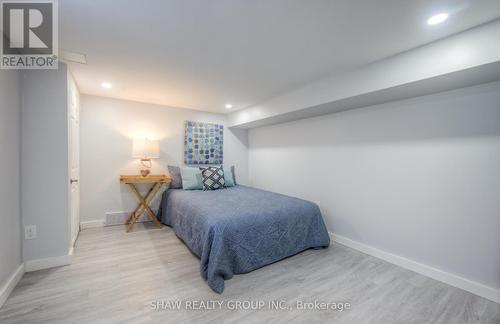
203 143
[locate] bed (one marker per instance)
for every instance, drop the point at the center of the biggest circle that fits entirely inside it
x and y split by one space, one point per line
239 229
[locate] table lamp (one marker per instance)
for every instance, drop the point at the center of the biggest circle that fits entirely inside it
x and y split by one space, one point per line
145 150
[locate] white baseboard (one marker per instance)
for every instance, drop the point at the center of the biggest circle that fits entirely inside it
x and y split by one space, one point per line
91 224
40 264
440 275
9 286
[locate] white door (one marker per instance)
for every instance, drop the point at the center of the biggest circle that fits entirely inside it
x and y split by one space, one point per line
74 159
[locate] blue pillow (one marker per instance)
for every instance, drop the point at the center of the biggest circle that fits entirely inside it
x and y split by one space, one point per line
175 174
229 177
191 178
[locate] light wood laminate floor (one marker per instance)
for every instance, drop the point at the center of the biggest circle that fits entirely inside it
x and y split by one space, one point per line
116 275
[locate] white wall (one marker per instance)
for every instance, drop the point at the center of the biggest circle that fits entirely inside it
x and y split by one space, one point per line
107 129
44 163
418 178
10 140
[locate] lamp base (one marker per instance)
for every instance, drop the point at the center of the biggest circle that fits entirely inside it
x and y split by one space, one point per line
145 172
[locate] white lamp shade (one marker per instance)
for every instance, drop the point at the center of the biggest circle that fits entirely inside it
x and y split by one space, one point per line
146 149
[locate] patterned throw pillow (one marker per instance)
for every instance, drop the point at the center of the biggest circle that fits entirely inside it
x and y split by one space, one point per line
213 178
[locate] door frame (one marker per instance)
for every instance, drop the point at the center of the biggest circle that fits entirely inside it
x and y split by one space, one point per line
72 90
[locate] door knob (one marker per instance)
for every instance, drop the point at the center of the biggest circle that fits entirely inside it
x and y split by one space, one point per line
73 181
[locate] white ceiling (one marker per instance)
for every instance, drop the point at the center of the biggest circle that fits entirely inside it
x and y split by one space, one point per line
203 54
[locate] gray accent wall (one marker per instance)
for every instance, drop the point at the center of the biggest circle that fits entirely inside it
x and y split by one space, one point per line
10 211
418 178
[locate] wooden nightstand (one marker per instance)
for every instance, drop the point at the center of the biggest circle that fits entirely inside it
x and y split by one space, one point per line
156 181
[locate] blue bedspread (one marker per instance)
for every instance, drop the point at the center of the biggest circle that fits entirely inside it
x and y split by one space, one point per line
239 229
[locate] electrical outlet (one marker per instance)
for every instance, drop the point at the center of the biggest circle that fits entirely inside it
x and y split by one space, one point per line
29 232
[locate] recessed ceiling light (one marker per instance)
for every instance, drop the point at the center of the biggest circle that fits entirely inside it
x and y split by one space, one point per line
106 85
229 106
437 19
